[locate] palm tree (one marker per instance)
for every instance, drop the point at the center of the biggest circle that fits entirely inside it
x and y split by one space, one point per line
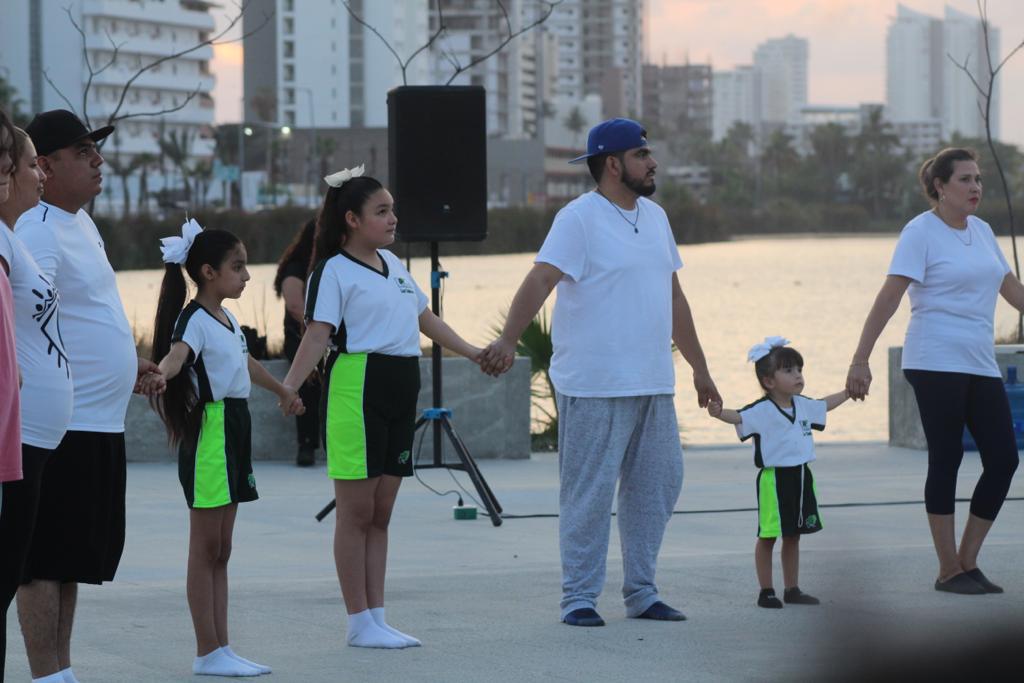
876 165
176 147
779 159
575 123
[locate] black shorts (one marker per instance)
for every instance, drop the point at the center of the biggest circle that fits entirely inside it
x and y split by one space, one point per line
79 533
369 414
217 471
787 502
18 520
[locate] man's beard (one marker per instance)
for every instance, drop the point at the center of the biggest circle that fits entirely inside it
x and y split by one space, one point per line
637 184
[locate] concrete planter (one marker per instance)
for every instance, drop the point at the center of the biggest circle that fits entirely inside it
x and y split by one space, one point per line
491 415
904 420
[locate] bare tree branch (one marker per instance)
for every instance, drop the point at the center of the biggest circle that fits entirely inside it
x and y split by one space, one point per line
964 67
504 11
212 41
426 45
116 115
403 65
188 98
544 17
57 90
361 22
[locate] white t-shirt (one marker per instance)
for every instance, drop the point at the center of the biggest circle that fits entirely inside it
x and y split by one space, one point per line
956 279
97 336
219 361
782 439
612 321
46 390
372 311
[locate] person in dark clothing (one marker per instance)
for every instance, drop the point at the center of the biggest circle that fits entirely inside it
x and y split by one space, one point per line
290 285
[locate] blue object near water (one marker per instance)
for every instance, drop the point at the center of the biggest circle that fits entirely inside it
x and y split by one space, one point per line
1015 393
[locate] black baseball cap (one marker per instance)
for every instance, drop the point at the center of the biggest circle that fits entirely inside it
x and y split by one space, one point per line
59 128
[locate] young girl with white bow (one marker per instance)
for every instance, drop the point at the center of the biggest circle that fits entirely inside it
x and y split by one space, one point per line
207 417
781 424
363 305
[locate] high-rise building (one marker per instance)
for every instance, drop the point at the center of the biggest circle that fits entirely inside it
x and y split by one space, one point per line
600 51
315 66
736 97
924 85
678 98
782 63
511 78
47 60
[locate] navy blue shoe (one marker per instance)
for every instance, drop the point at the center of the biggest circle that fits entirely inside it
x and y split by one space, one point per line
659 611
584 616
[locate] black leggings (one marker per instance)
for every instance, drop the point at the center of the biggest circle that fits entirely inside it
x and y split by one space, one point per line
948 401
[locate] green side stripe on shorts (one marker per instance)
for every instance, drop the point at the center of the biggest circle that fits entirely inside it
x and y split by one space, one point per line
768 508
346 430
210 486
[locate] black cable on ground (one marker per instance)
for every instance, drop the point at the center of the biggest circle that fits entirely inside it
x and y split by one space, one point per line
711 511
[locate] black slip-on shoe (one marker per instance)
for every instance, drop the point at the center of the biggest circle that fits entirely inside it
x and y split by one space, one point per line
659 611
584 616
961 583
983 581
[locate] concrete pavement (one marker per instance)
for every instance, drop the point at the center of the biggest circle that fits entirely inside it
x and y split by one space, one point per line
484 600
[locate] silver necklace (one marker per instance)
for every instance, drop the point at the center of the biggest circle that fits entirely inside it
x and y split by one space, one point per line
970 236
957 231
615 206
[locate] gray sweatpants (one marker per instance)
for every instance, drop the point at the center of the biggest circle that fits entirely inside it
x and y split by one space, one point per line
634 439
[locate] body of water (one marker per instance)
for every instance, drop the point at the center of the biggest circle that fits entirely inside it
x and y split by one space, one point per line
813 290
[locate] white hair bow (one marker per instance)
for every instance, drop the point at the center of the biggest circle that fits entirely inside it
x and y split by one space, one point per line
759 351
344 175
175 249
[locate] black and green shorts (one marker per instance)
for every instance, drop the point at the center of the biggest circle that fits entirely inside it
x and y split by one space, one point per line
787 502
369 413
218 469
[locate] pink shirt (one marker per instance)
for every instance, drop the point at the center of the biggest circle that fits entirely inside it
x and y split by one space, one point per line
10 415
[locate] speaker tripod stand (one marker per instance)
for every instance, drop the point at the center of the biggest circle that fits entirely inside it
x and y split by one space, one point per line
439 418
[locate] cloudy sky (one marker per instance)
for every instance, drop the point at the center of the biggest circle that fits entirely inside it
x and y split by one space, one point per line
847 45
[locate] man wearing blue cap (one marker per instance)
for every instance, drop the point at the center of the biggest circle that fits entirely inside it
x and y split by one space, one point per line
613 258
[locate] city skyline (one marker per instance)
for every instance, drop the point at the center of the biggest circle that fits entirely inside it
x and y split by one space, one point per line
720 31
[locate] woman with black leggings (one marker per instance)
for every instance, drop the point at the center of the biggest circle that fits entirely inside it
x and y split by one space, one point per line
948 261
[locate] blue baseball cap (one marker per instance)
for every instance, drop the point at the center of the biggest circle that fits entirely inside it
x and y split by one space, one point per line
613 135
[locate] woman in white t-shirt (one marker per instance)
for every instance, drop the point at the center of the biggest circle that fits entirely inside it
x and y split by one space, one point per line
364 305
46 394
207 417
951 265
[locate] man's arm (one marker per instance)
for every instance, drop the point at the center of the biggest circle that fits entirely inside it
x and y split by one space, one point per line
532 294
684 334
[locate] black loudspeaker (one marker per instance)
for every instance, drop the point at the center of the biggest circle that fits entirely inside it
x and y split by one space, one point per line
437 161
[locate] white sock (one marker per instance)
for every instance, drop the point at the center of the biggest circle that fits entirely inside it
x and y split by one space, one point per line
263 668
219 663
69 676
364 632
52 678
378 618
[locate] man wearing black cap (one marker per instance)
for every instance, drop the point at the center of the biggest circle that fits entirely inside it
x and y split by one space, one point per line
619 306
80 529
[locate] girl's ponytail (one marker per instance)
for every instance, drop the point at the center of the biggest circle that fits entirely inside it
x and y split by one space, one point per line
175 406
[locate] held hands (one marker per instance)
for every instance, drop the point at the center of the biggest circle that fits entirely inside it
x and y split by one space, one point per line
149 381
290 403
858 380
497 358
706 390
715 408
